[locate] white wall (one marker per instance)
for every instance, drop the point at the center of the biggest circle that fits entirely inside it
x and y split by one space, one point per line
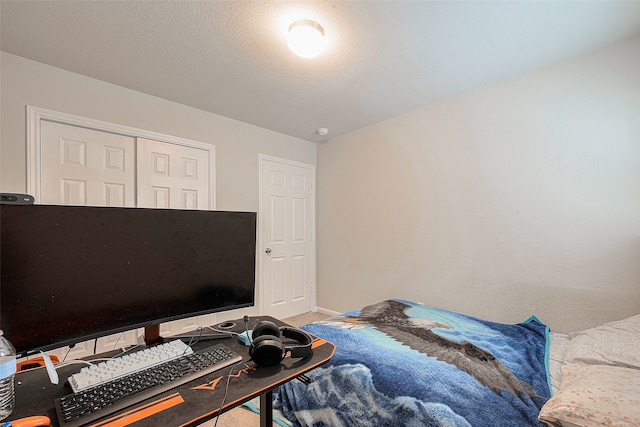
25 82
517 199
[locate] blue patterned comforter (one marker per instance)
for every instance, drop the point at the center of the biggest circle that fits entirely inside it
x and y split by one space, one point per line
398 363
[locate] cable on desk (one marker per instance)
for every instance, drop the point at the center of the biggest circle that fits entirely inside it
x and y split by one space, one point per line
67 353
222 331
226 390
114 345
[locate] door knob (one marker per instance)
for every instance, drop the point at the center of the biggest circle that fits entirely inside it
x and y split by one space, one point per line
268 251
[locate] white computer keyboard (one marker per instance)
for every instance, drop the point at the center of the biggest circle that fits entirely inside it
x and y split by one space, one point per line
103 372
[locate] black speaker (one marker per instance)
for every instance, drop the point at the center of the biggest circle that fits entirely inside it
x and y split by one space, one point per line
16 199
267 349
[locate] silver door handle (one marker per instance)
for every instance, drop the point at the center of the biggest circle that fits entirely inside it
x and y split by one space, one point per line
268 251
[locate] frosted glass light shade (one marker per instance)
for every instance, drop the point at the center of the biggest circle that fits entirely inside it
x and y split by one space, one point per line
306 38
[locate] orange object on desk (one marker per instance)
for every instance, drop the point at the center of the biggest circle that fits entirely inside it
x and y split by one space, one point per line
30 422
35 362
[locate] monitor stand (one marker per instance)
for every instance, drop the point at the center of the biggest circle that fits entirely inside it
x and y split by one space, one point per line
151 337
152 334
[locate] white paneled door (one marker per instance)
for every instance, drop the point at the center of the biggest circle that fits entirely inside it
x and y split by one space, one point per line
82 166
86 167
172 176
75 164
287 224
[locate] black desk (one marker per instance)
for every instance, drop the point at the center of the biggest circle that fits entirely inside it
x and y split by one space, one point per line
188 405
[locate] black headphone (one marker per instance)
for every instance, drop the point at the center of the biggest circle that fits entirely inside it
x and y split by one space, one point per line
266 349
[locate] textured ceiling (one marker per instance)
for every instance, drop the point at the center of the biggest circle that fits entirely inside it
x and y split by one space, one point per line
383 58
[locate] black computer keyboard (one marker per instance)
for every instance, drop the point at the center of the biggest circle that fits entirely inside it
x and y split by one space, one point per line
102 400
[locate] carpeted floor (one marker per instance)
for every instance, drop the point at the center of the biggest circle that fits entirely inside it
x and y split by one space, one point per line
303 319
242 416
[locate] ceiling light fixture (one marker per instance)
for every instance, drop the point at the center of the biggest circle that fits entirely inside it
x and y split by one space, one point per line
306 38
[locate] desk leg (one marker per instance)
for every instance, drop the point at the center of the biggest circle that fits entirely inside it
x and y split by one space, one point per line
266 409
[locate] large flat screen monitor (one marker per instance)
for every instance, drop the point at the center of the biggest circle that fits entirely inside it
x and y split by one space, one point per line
73 273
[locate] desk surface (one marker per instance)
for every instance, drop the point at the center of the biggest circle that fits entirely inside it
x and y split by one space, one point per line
187 405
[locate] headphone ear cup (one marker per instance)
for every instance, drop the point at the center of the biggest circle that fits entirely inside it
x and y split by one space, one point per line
265 328
266 350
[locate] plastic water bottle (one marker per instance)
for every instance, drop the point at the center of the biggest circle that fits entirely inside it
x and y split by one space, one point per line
7 373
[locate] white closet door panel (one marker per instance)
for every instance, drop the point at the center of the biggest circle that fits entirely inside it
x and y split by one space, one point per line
176 177
172 176
77 165
81 166
196 323
78 351
115 341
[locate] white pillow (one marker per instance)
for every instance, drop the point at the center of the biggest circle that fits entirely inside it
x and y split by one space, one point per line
615 343
595 395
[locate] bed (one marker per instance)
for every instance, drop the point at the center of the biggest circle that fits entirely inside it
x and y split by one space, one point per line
400 363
